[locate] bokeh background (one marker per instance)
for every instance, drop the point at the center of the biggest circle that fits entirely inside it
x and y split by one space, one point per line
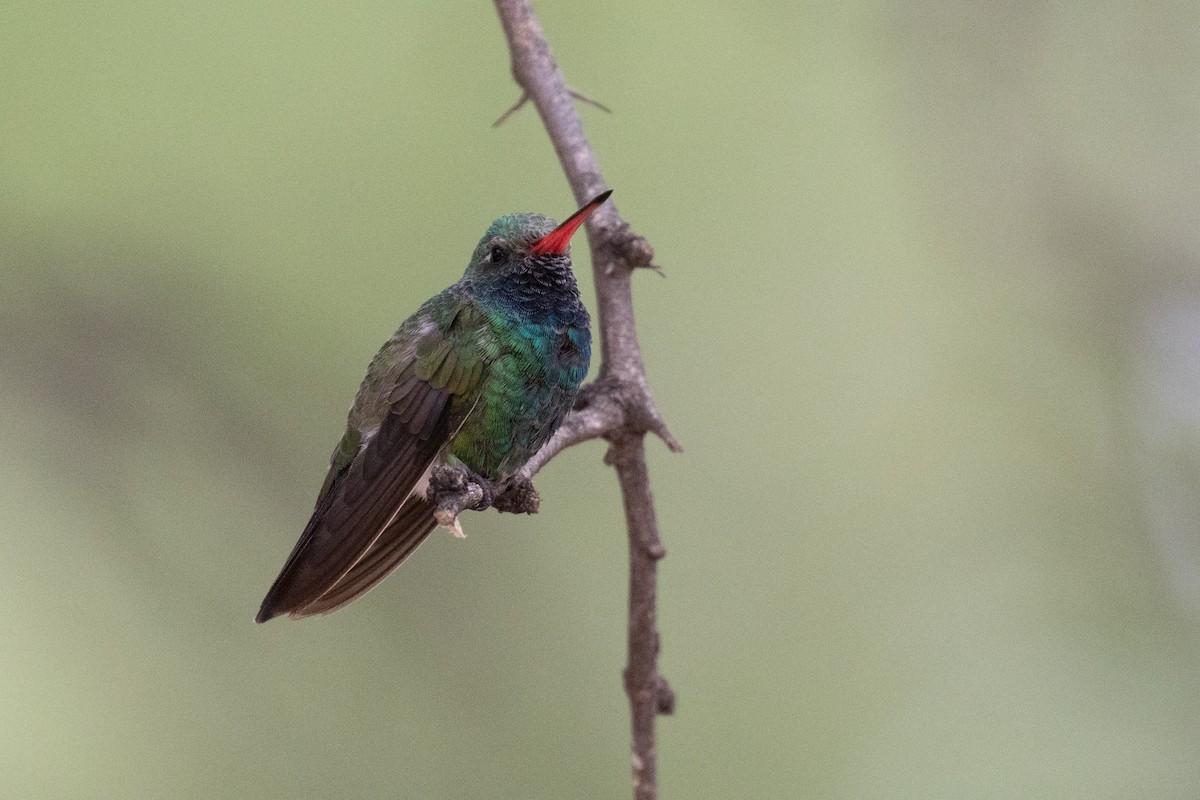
929 331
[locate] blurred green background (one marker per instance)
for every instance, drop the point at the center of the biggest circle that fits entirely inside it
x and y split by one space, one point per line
930 333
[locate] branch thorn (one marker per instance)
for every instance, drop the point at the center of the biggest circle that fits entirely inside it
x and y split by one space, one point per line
514 108
583 98
659 426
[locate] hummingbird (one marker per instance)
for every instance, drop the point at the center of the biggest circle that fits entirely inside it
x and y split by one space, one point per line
478 378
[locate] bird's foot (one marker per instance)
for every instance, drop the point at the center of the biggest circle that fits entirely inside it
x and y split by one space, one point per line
459 488
517 496
487 489
453 489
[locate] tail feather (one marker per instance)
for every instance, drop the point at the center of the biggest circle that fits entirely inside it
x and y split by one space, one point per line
412 525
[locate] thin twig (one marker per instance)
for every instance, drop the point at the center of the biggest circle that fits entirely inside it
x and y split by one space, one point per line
514 108
618 406
583 98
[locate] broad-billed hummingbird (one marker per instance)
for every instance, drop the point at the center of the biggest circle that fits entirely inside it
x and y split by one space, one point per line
479 377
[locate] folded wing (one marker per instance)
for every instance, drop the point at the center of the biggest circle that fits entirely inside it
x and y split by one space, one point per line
368 518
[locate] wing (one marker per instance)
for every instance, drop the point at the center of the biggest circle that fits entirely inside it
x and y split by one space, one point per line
367 518
413 522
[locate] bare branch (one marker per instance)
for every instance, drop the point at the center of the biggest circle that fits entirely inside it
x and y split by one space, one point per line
618 406
648 692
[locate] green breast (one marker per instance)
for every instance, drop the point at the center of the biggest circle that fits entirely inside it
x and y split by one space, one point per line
532 377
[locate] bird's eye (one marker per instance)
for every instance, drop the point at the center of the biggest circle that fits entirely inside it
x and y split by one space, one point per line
498 256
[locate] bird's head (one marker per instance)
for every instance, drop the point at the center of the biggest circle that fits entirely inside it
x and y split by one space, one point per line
520 242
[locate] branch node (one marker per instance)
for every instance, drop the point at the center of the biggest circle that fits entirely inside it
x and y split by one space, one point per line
666 696
634 250
517 496
610 456
524 98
